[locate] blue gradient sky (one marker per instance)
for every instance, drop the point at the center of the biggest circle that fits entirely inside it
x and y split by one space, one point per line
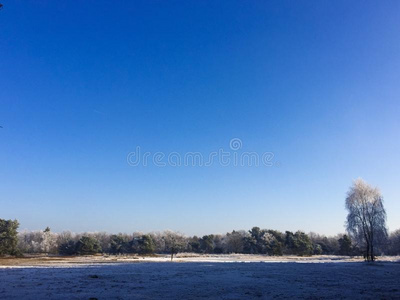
85 82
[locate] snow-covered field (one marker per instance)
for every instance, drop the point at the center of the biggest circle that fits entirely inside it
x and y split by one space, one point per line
195 277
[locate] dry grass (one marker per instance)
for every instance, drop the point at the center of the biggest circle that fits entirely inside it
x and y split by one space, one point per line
41 260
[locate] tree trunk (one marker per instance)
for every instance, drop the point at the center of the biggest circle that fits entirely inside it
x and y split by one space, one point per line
372 252
372 246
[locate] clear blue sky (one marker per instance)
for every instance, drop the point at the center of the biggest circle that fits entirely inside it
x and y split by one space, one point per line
85 82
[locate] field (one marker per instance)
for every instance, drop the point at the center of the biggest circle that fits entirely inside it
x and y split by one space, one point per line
198 277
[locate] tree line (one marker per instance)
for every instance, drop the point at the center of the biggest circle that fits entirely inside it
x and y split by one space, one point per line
366 235
254 241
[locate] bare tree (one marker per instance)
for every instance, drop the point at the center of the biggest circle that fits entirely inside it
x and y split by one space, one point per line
366 219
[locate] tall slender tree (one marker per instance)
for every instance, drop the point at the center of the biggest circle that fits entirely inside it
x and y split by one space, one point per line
366 219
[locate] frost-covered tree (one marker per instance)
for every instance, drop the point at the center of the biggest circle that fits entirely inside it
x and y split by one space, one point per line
102 237
174 242
119 244
49 241
30 242
366 219
219 246
234 241
254 242
329 245
273 242
38 241
317 249
394 243
159 242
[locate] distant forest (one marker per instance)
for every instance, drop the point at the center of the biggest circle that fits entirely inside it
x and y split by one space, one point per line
254 241
366 226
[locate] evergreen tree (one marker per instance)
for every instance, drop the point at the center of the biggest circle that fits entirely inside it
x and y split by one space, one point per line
145 245
87 246
8 237
119 244
67 248
345 245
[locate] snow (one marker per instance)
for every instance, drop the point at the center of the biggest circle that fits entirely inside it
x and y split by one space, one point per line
193 277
